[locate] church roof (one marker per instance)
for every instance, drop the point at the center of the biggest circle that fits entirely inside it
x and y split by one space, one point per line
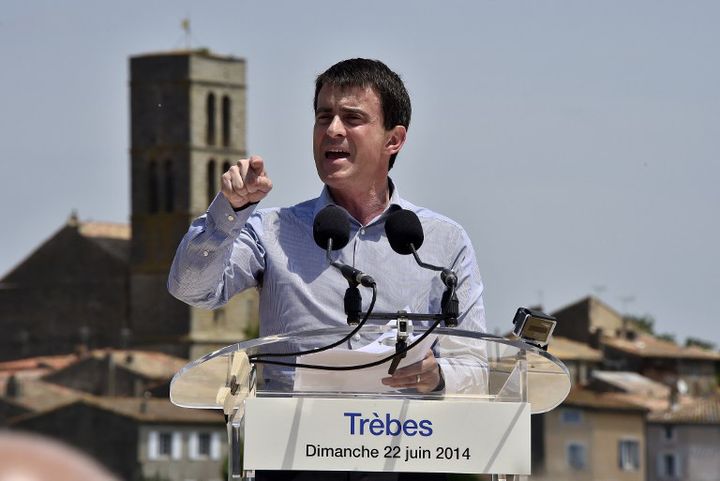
114 238
69 245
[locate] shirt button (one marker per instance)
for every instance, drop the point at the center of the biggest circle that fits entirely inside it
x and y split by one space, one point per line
231 218
206 253
362 231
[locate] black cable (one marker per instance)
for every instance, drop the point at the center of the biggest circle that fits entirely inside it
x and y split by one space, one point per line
255 357
358 366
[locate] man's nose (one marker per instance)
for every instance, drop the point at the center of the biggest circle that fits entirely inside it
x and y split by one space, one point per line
336 128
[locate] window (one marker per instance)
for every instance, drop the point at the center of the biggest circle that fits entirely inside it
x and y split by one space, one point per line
226 166
571 416
165 444
668 432
153 197
211 180
669 465
169 187
219 316
226 118
210 114
204 444
576 456
629 455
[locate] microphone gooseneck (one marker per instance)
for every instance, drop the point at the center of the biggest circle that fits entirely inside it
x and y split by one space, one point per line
405 235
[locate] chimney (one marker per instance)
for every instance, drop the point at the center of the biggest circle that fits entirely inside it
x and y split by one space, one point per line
144 402
12 388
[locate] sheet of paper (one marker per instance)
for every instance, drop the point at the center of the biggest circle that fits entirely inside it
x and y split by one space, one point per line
360 380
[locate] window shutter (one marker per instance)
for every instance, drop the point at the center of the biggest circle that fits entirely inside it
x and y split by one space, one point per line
153 445
193 445
177 445
215 445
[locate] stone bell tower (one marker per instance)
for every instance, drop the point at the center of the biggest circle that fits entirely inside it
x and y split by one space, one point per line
187 115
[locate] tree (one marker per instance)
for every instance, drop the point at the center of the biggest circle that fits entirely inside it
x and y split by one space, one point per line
641 323
693 341
667 337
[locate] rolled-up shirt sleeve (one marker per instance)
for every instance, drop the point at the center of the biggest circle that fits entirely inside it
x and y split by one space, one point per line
219 256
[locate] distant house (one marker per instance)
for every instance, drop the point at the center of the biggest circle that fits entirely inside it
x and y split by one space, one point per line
29 396
684 442
664 361
592 322
587 320
116 372
23 392
580 359
591 436
138 438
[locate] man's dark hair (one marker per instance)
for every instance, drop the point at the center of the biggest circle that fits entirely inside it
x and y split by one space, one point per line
362 72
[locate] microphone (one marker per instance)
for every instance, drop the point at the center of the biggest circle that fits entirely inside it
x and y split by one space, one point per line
331 231
405 235
331 228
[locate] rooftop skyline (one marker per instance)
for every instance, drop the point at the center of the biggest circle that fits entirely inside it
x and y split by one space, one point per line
576 143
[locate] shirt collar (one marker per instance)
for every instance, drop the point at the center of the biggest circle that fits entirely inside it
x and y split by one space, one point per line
396 202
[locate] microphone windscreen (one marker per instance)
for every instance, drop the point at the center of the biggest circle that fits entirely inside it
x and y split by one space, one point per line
403 228
331 223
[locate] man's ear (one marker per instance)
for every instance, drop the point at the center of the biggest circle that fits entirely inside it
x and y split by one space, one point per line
395 139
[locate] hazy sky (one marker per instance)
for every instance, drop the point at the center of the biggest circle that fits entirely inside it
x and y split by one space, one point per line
577 142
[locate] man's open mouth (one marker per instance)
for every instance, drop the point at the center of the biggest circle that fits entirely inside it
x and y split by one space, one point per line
336 154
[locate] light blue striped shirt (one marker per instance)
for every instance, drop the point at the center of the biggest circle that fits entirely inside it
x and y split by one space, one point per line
225 252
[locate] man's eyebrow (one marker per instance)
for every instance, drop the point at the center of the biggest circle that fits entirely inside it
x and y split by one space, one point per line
355 110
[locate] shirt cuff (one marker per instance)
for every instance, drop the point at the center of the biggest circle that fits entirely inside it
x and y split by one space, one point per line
225 218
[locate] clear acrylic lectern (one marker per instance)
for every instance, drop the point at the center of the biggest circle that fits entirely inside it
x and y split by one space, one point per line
338 419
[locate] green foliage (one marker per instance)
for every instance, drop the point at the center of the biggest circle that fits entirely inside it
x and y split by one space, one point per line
641 323
667 337
252 331
693 341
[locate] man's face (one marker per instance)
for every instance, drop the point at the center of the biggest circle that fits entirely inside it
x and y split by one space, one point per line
350 144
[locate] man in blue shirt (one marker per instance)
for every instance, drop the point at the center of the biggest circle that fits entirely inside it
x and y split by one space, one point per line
362 115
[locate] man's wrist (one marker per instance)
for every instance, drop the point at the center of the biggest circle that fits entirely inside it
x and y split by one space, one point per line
441 383
244 206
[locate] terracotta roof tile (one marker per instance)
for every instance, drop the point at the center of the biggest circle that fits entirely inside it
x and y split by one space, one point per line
156 410
36 395
701 411
39 362
586 398
649 346
151 364
568 350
